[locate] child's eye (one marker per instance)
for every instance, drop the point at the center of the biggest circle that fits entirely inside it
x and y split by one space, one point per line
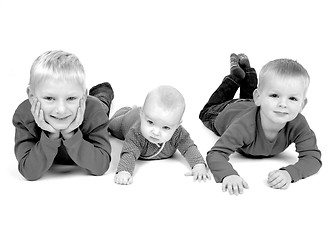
48 98
166 128
71 98
293 98
273 95
149 122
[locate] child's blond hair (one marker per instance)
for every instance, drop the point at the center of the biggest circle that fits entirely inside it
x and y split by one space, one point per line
284 68
59 65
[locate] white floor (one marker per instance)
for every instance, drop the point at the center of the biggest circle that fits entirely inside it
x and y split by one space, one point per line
137 45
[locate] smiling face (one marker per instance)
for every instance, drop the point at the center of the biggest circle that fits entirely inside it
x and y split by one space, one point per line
280 100
59 101
57 80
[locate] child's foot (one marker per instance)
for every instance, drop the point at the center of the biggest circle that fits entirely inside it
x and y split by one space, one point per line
244 61
104 93
236 70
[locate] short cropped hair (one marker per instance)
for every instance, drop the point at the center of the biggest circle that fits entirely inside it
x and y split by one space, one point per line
60 65
284 68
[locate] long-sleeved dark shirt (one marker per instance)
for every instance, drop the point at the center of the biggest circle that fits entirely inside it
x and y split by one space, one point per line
240 130
88 148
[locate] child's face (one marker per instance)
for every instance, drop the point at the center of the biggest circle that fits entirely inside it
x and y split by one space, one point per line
59 101
280 100
158 126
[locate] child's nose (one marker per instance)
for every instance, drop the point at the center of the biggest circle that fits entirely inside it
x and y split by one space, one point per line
282 102
156 131
61 107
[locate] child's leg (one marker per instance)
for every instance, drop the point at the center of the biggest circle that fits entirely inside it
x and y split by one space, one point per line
236 69
218 100
224 93
229 85
249 83
116 121
105 94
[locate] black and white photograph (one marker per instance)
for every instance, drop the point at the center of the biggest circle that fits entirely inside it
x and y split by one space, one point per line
165 119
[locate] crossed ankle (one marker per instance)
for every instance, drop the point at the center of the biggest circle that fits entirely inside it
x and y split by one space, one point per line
235 68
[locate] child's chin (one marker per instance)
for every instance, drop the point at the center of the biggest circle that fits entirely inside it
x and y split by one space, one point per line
156 141
152 141
60 127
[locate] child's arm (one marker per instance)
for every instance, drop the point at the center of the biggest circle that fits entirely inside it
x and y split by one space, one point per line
34 149
186 146
89 146
239 133
309 159
131 151
70 130
35 156
38 116
218 157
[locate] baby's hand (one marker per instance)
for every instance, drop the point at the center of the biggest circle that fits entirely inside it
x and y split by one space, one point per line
200 172
234 184
38 115
123 178
279 179
69 131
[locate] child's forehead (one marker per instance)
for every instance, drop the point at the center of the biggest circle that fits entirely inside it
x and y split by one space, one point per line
159 115
42 74
293 85
54 85
278 81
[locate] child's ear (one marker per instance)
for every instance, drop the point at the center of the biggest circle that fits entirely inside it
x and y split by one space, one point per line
305 101
30 94
256 96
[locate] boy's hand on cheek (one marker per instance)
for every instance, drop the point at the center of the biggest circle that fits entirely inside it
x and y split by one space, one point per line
279 179
38 115
69 131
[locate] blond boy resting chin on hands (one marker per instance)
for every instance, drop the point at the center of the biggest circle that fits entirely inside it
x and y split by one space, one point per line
59 123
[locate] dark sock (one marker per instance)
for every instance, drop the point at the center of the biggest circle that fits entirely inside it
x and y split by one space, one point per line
244 61
104 93
236 70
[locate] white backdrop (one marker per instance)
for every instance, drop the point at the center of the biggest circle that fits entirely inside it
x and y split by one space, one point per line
137 45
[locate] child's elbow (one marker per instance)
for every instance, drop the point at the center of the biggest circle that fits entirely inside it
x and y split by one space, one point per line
101 170
31 177
98 173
